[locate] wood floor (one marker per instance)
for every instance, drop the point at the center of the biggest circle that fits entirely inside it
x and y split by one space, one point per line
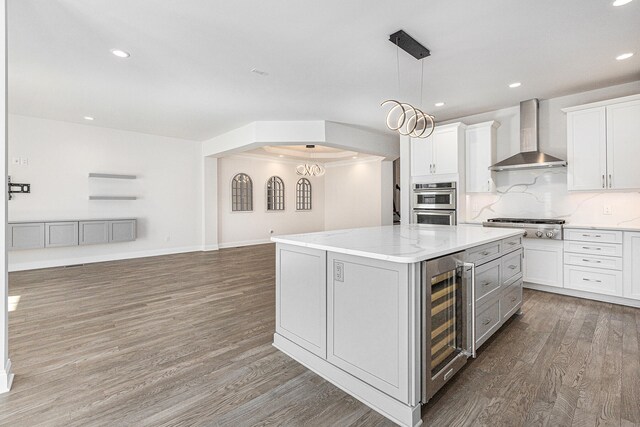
185 340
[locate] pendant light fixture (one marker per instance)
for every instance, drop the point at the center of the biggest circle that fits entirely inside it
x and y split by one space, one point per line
404 117
310 169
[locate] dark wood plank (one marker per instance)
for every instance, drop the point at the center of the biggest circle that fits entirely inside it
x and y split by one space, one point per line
185 340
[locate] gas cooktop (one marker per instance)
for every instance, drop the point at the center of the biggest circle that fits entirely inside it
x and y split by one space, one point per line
528 220
541 228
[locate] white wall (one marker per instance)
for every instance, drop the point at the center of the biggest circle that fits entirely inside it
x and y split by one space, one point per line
245 228
354 195
536 193
61 155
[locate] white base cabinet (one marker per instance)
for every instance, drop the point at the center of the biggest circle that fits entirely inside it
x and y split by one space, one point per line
368 321
543 262
301 297
631 265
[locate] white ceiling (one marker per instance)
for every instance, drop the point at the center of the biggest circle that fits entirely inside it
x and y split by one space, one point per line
189 71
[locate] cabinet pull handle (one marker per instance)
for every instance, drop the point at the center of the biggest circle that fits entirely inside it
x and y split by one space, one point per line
513 267
484 253
511 243
603 184
610 180
485 284
589 235
486 321
513 299
591 249
488 185
591 260
591 280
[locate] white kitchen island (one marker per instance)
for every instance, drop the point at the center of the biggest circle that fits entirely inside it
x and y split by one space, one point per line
349 304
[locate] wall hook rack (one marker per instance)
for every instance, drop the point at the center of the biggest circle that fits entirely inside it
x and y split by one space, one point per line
15 188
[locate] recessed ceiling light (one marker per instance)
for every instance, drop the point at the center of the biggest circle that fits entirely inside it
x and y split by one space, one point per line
120 53
514 85
624 56
259 72
280 155
621 2
88 118
439 104
354 157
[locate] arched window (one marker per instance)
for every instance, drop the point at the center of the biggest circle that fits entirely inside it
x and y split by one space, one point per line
303 195
275 194
241 193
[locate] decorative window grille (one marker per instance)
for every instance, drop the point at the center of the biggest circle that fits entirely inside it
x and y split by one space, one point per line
241 193
303 195
275 194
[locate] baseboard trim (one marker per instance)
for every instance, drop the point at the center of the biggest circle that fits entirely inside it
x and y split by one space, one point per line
6 377
581 294
99 258
244 243
396 411
207 248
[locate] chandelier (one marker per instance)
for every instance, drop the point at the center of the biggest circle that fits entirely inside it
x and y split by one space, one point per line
403 117
310 169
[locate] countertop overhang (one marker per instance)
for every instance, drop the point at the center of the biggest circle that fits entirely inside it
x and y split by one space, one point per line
400 243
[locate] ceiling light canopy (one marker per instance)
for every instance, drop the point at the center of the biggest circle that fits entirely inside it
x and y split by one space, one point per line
624 56
621 2
515 85
120 53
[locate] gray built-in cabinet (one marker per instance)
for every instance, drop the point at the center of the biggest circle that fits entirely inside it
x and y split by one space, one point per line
37 235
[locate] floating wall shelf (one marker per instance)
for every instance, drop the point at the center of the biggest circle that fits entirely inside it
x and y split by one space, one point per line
112 197
111 175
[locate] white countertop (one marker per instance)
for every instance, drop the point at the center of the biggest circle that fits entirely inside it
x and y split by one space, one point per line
400 243
625 227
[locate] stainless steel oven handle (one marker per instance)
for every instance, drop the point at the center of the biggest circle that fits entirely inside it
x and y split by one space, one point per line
472 351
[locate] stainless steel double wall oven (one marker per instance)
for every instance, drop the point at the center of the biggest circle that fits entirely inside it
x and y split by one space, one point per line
435 203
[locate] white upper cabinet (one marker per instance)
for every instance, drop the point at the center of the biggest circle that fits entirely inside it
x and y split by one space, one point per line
623 145
603 143
586 149
480 155
439 154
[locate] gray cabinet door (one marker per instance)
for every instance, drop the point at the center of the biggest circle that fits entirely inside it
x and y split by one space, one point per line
60 234
94 232
122 230
28 235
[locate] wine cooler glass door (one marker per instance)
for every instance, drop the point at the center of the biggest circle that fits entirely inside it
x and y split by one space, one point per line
445 321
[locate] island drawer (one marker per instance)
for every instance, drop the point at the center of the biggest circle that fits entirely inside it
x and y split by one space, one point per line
607 249
610 263
487 280
487 321
511 244
482 254
511 299
511 266
588 235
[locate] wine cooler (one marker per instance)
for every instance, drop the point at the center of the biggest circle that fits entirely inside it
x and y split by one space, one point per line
447 320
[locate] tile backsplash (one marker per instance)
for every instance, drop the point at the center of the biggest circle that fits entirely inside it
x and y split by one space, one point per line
543 193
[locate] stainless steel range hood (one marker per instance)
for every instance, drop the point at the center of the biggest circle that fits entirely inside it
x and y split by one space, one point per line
529 157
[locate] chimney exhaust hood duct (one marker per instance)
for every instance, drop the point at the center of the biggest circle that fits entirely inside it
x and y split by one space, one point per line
529 157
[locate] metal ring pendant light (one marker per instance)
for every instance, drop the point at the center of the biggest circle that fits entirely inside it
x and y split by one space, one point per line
404 118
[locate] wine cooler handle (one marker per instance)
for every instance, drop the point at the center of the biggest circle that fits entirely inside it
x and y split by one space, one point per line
472 351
